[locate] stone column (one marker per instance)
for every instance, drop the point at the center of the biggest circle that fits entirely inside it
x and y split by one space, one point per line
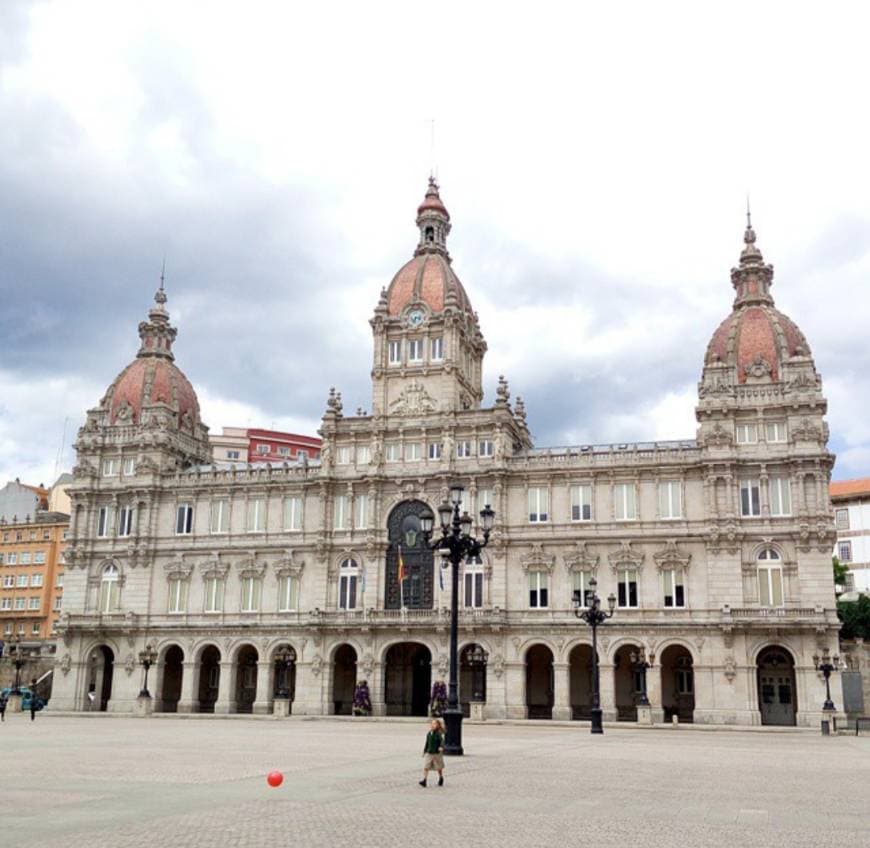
377 690
226 699
607 690
562 691
515 689
654 693
261 704
188 702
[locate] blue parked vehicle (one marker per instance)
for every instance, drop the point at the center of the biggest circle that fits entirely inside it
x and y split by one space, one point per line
26 696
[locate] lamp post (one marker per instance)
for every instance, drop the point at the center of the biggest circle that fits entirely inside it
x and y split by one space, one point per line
640 665
456 544
594 616
18 662
147 658
477 659
285 658
826 666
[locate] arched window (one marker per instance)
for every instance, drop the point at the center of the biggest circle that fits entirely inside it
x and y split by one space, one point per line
770 578
347 584
473 582
110 589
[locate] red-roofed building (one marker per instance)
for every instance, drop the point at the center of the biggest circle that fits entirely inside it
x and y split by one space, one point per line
851 500
240 444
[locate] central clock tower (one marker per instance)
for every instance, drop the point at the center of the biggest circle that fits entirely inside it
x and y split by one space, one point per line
428 348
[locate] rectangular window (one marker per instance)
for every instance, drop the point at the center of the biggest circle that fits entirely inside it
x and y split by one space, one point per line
1 559
361 512
6 603
344 455
233 454
177 595
293 513
363 455
129 467
58 581
844 552
256 515
434 451
104 521
673 588
581 503
263 450
58 603
539 504
775 431
288 591
7 630
750 501
580 583
842 516
484 498
340 517
463 449
8 581
184 519
392 451
538 589
20 603
780 496
35 581
12 559
22 581
486 447
413 451
214 594
110 467
25 557
250 594
34 628
627 590
415 350
125 521
219 521
670 500
473 595
747 434
283 451
770 587
395 353
437 349
624 502
38 558
347 591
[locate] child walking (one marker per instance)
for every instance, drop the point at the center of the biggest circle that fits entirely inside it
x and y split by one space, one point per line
433 752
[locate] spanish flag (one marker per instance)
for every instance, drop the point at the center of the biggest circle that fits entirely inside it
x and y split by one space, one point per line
401 566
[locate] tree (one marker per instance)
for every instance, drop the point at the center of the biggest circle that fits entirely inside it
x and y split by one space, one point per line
841 572
855 616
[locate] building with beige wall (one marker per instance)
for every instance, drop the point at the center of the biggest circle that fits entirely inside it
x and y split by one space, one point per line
716 547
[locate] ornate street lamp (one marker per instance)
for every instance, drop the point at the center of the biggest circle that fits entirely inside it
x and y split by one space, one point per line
593 615
477 659
826 666
284 658
456 544
147 658
640 665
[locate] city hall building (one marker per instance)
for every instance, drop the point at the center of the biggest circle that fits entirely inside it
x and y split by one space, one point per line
717 548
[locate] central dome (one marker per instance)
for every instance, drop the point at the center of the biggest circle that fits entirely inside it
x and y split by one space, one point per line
428 279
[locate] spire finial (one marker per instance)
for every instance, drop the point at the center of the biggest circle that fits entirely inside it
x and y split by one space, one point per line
748 213
162 273
160 295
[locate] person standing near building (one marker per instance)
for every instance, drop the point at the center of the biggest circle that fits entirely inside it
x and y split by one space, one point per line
34 700
433 752
4 699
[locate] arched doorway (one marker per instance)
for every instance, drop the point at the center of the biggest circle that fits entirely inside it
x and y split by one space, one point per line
403 530
246 678
343 679
627 683
539 682
472 676
407 679
678 684
284 661
101 667
209 678
580 674
776 686
173 669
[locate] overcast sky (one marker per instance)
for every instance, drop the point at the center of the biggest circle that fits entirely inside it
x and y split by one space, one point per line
595 160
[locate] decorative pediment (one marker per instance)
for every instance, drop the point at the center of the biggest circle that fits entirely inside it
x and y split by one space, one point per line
249 567
214 568
537 560
625 556
670 556
178 568
413 401
718 437
757 371
581 558
290 565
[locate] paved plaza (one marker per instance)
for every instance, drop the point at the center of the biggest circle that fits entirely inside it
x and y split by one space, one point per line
105 781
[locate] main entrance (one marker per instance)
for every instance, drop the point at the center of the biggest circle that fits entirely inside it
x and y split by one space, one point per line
580 671
678 684
405 537
246 679
776 686
539 682
343 679
100 672
209 678
407 679
173 669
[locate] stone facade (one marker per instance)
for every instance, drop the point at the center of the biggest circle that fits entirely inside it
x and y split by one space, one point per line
717 548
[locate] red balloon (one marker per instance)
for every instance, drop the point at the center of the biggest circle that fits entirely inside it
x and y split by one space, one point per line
275 778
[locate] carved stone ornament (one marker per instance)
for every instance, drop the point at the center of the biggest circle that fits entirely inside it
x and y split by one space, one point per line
581 559
249 567
625 556
65 664
670 556
722 538
367 666
84 469
498 665
178 568
537 560
604 641
803 380
124 413
288 566
129 664
718 437
413 401
316 665
443 666
757 370
715 385
806 431
214 568
730 670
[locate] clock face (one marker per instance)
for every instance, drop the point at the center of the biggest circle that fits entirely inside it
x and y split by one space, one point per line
416 317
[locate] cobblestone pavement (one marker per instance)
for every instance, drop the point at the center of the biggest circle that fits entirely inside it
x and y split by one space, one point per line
127 782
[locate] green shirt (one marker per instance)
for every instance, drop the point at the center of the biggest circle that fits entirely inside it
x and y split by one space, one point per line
434 742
